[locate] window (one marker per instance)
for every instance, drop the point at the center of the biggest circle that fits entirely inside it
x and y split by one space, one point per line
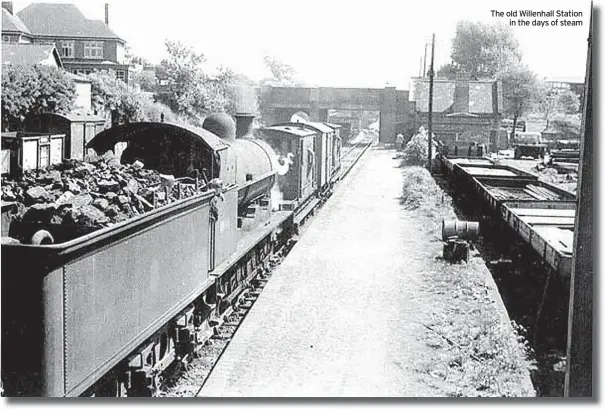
93 49
121 75
66 49
6 39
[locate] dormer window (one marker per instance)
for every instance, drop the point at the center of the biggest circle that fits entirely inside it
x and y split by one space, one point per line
66 49
93 49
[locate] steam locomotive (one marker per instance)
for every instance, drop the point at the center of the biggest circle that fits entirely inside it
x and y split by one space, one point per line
104 313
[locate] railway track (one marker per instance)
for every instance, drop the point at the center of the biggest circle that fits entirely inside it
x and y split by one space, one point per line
352 155
188 380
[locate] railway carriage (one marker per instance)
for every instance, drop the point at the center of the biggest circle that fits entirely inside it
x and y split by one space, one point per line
301 183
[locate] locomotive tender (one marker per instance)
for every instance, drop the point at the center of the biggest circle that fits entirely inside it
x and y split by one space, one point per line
105 312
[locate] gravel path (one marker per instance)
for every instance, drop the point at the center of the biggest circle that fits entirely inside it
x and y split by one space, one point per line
341 316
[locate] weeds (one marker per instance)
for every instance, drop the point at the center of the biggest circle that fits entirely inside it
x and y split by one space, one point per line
477 352
420 192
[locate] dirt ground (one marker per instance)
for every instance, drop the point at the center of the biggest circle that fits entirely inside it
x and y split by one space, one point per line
364 306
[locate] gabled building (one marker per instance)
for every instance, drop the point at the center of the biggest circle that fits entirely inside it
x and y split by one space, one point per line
464 111
13 29
31 54
84 45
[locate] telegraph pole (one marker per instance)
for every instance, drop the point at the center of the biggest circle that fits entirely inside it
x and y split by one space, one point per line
431 75
424 66
578 378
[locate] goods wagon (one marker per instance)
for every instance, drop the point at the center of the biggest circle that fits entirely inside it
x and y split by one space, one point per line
541 214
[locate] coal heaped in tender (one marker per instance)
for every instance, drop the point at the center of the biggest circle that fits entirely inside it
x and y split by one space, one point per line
92 194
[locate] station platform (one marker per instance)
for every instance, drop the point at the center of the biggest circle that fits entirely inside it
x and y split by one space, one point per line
340 317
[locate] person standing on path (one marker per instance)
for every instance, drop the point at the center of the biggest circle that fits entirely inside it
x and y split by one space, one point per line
399 142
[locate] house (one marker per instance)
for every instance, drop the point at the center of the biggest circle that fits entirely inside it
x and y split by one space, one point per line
566 83
84 45
31 54
13 29
83 100
560 84
464 111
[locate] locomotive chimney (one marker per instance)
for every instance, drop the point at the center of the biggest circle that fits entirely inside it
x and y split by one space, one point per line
106 13
243 125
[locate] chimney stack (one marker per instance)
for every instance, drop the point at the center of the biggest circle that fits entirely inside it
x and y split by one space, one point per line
107 13
8 5
243 125
461 93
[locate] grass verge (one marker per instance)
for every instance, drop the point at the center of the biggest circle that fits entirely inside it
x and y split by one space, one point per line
478 352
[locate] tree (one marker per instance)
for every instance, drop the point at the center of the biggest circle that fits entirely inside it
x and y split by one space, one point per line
283 75
147 80
110 93
545 102
238 91
35 90
184 92
549 103
519 91
131 58
568 102
447 71
191 92
483 50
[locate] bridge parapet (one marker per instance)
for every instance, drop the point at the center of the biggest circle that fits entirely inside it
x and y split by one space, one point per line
279 103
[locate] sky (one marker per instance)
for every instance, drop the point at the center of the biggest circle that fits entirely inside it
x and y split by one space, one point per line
335 42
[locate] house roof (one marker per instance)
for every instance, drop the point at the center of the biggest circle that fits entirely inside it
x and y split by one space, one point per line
29 54
12 23
568 80
63 20
483 96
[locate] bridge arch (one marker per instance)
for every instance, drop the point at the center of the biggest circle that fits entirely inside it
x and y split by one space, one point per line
280 103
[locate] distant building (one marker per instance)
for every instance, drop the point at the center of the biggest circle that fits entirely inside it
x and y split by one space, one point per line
31 54
560 84
84 45
13 29
464 111
566 83
83 100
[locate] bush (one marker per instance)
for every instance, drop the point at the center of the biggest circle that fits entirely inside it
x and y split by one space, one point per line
420 191
34 90
416 151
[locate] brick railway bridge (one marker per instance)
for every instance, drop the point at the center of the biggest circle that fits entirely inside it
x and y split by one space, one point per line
278 104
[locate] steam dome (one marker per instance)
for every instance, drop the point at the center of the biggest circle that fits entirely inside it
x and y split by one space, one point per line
220 124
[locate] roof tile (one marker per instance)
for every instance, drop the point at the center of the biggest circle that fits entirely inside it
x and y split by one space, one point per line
62 20
12 23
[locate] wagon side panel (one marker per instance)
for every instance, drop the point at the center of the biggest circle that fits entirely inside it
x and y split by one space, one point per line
116 296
